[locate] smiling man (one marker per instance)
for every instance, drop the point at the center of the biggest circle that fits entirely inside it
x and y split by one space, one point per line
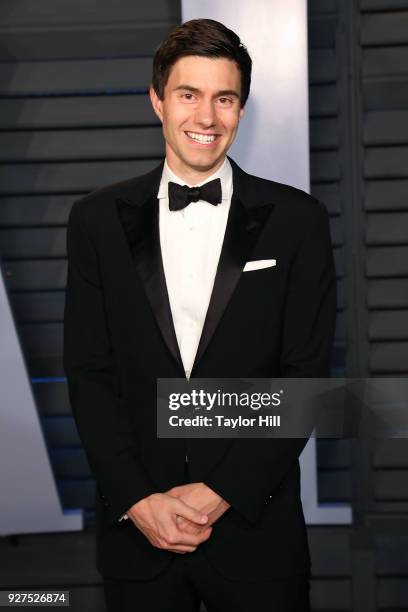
200 109
195 269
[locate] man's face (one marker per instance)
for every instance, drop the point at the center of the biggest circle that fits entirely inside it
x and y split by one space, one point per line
200 114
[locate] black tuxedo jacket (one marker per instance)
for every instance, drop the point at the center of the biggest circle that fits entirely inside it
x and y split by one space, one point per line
119 337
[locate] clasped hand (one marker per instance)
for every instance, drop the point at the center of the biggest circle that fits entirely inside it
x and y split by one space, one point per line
180 519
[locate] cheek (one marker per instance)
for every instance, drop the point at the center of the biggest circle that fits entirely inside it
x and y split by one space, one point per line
232 127
171 118
177 122
230 121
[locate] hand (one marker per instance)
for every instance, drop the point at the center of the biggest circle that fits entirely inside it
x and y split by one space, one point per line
204 499
155 516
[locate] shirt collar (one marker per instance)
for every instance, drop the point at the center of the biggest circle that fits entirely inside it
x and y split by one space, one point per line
224 173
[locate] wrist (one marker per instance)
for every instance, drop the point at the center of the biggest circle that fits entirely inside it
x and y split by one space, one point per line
140 505
215 496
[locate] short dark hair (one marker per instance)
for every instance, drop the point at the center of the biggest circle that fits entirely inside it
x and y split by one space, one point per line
205 38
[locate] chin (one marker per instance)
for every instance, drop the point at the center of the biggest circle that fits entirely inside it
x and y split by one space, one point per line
204 166
204 163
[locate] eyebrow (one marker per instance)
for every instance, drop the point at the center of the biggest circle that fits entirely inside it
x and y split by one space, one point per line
222 92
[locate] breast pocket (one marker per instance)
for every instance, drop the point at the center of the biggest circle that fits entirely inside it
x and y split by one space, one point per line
259 264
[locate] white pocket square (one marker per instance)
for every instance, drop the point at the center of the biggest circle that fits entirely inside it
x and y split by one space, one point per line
258 264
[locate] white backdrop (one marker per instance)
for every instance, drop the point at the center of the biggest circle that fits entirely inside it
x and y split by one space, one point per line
273 136
29 501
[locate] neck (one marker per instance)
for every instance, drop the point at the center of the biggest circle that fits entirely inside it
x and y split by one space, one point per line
190 175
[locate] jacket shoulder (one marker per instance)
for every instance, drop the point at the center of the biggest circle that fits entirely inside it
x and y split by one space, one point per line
291 201
92 205
257 191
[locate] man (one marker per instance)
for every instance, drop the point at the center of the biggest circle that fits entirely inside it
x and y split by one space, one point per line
157 288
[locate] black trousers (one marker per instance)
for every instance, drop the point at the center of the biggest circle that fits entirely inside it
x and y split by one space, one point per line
191 579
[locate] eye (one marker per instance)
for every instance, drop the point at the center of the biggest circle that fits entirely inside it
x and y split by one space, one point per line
188 96
225 101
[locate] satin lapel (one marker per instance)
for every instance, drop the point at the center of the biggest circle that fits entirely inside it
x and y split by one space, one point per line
242 232
149 264
141 226
138 209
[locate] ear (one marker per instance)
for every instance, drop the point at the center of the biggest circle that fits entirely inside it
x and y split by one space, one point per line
241 112
156 103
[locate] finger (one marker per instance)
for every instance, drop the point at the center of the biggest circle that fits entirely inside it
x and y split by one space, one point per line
191 539
174 543
189 513
189 527
182 523
185 524
182 549
179 552
204 535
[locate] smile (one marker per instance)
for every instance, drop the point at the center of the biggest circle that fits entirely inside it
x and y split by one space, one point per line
202 138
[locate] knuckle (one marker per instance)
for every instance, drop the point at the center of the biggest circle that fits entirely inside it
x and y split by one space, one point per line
204 537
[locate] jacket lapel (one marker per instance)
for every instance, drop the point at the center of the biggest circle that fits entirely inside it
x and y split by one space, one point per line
244 225
138 209
149 264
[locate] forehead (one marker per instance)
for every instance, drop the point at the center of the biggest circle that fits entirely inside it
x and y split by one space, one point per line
205 73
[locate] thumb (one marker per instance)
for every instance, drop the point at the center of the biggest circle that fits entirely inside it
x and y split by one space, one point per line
190 513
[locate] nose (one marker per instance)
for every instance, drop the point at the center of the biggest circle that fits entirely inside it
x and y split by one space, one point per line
205 113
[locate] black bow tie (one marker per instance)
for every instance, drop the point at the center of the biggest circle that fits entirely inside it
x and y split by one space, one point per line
180 196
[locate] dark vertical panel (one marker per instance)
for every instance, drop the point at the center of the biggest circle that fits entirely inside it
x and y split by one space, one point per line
384 137
74 115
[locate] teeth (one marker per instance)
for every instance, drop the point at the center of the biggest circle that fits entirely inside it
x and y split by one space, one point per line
200 137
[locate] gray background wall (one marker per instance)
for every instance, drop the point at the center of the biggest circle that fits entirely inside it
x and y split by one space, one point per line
74 115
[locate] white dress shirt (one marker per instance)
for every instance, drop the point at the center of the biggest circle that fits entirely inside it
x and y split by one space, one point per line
191 240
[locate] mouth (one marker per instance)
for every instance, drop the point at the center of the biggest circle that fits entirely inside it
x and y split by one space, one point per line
204 140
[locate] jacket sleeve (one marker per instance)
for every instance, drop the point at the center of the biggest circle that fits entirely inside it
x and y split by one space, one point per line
252 470
93 386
